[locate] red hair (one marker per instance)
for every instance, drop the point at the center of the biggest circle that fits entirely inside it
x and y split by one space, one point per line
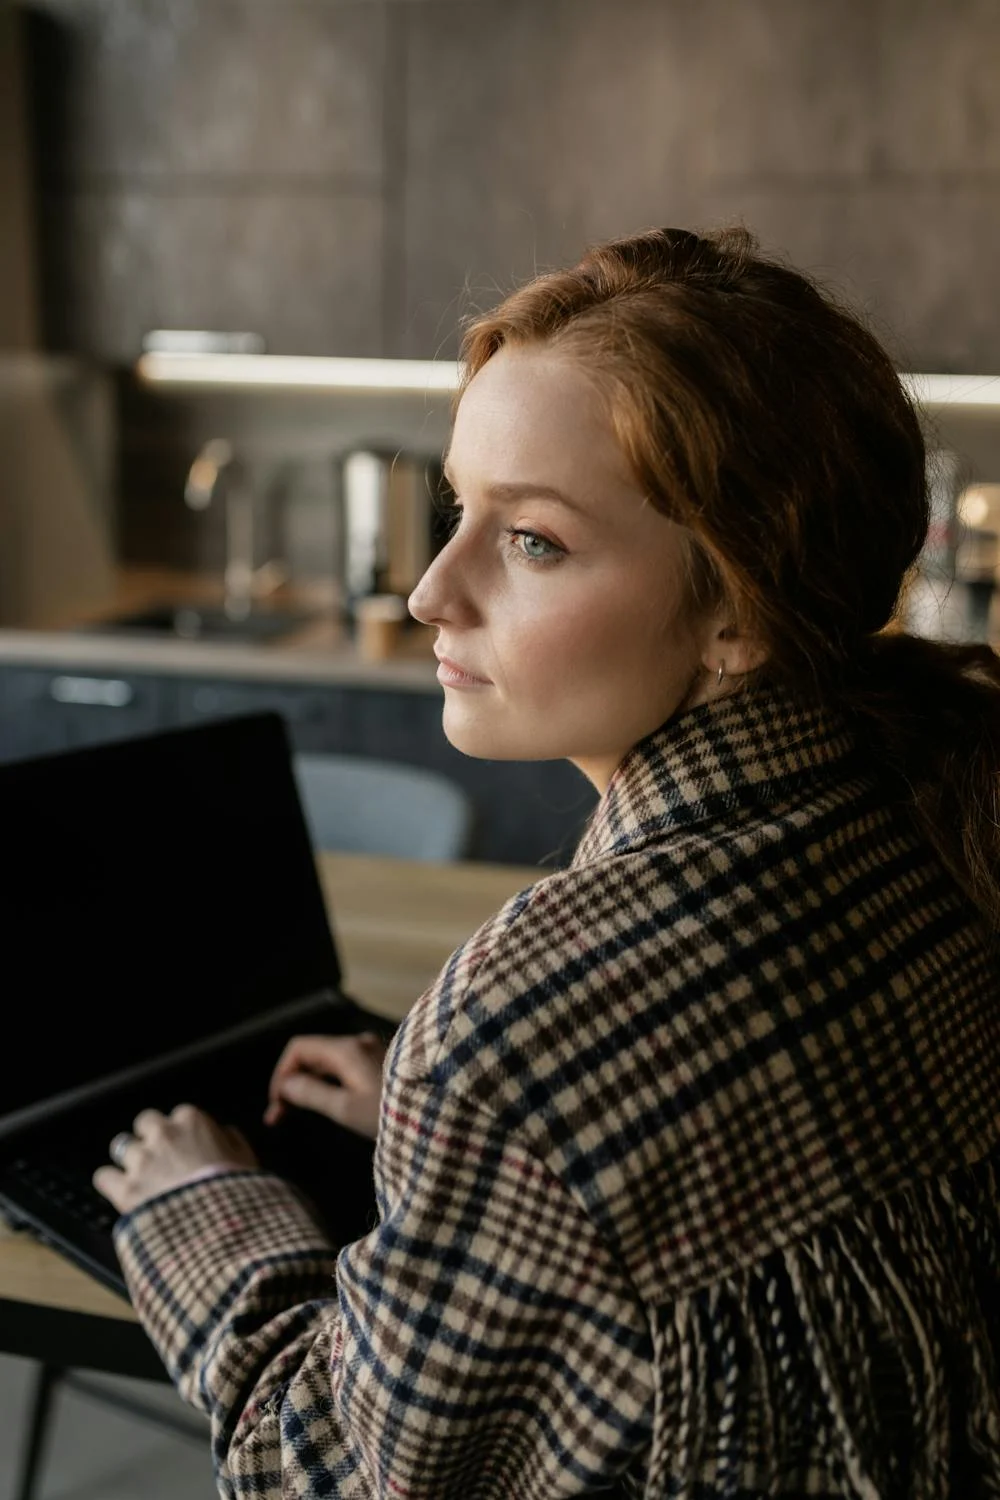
765 419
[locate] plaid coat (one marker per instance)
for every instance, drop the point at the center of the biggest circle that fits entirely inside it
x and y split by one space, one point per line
685 1175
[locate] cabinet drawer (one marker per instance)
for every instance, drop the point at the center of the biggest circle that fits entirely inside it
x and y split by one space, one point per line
310 712
57 710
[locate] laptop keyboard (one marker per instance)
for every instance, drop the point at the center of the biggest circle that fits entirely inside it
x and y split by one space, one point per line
70 1189
332 1166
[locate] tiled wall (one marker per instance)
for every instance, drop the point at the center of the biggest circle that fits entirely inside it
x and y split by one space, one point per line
348 176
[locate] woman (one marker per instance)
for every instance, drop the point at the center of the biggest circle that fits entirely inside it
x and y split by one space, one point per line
685 1164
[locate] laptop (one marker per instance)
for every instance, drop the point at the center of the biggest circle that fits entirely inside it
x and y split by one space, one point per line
164 935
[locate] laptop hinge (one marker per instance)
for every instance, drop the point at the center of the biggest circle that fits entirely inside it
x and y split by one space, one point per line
84 1093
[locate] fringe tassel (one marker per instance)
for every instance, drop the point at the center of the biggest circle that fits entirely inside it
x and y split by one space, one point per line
863 1361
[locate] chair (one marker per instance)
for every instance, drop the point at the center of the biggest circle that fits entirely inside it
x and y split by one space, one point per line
363 806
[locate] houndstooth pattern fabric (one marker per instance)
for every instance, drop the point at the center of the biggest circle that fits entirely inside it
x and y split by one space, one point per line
686 1175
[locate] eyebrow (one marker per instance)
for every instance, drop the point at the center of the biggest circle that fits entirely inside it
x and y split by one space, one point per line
505 493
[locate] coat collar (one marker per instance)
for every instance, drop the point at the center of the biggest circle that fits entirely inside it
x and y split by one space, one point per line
749 747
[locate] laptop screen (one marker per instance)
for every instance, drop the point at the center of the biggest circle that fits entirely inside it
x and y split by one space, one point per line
155 891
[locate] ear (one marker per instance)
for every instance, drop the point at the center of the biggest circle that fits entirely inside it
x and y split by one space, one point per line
727 647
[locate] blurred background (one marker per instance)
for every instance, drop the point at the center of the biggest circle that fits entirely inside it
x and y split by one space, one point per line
344 179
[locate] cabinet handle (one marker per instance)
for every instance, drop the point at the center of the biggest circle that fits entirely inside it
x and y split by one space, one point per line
206 700
103 692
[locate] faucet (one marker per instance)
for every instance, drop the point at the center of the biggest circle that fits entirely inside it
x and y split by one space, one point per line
217 467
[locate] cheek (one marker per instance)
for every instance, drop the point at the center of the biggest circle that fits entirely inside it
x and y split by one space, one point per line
564 645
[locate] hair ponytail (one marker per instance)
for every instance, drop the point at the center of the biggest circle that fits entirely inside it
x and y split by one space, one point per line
765 419
931 712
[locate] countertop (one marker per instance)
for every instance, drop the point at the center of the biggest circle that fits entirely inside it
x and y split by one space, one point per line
322 651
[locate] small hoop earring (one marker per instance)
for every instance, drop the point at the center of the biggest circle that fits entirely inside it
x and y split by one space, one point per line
722 673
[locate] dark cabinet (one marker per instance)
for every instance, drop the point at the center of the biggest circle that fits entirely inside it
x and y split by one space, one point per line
46 710
314 713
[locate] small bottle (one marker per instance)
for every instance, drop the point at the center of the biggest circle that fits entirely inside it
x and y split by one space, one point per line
977 557
378 621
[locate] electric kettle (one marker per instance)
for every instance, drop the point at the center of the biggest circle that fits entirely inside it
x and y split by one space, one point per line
389 523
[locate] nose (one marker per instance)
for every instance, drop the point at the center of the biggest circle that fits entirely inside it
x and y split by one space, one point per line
441 596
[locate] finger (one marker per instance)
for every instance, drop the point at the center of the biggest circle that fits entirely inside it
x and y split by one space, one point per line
122 1149
313 1052
111 1184
148 1122
274 1111
316 1054
186 1114
350 1059
286 1064
309 1092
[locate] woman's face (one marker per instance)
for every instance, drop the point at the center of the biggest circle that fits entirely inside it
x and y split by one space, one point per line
561 588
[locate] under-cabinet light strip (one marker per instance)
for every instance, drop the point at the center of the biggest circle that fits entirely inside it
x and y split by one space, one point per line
953 390
304 372
309 372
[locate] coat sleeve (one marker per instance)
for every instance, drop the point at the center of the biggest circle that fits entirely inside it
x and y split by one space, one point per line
479 1343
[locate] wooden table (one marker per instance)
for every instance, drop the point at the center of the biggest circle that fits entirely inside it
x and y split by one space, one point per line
395 923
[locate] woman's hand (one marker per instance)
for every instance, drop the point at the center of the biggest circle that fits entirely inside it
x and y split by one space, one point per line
165 1150
337 1076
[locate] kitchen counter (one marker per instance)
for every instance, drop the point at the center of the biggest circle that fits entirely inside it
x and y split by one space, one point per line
321 651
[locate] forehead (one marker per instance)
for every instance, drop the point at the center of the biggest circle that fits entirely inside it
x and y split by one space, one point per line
529 414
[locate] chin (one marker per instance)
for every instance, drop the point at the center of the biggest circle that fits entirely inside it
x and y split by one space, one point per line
481 739
478 745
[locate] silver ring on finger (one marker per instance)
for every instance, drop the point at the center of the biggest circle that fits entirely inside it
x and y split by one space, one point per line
119 1146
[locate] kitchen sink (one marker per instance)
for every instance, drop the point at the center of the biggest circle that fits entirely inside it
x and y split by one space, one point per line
185 622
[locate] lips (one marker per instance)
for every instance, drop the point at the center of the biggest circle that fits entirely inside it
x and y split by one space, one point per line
458 669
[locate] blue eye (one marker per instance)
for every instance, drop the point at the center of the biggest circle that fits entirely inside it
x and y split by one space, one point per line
549 555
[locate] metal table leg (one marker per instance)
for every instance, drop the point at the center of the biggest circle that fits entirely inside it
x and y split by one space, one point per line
47 1384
